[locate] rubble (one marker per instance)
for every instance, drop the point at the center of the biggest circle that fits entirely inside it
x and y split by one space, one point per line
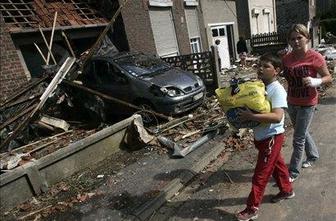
21 113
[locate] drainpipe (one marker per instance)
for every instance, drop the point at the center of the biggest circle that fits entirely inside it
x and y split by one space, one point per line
274 17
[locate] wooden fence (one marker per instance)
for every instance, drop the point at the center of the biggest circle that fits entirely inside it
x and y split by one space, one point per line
202 64
268 42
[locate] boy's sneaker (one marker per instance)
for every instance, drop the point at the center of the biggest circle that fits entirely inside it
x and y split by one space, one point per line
307 164
247 214
292 179
282 196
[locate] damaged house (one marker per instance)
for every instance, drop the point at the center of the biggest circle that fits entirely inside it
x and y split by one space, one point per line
138 29
73 27
21 25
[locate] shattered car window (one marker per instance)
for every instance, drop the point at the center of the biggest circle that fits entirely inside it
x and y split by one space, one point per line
142 65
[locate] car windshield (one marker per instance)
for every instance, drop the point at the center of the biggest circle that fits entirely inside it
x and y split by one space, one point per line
140 65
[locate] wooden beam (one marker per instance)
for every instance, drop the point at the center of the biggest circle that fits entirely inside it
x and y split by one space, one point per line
51 39
68 43
45 41
39 50
24 112
107 97
33 84
102 35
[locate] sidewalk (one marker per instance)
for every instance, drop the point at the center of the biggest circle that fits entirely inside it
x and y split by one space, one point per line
315 190
136 191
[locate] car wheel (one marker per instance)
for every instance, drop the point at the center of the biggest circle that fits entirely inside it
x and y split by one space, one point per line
96 110
147 117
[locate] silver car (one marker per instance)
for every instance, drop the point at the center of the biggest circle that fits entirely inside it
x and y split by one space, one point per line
145 81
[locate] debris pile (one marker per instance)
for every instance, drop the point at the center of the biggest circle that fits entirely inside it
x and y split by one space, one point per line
185 134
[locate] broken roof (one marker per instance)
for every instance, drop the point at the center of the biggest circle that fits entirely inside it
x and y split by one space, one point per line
20 15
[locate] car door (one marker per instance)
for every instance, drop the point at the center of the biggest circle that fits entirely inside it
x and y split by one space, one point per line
112 81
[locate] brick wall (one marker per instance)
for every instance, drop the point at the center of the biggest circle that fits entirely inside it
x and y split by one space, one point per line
12 75
138 27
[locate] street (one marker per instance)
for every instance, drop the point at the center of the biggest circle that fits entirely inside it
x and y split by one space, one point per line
219 199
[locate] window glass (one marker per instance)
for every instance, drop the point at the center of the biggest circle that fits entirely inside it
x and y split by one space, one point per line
195 45
103 72
88 72
214 32
221 32
116 74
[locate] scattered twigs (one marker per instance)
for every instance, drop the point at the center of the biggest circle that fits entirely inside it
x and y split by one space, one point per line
191 133
176 123
228 176
33 213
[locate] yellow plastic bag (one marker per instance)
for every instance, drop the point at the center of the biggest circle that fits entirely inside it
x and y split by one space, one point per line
251 95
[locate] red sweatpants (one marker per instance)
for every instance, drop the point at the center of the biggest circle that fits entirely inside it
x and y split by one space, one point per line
270 162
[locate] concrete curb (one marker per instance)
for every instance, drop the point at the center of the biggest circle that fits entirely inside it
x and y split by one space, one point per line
146 210
34 178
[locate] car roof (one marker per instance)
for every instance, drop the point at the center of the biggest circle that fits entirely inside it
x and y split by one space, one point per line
119 55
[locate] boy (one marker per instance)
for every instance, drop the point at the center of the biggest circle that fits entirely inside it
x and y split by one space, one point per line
268 139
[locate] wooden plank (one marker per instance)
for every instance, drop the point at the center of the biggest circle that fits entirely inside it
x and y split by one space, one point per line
110 98
20 101
30 86
39 50
40 141
102 35
24 112
49 46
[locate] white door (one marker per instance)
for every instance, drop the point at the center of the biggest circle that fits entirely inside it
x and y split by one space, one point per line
220 33
265 23
163 31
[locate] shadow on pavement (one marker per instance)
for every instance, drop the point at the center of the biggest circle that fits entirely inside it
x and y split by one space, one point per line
328 101
214 209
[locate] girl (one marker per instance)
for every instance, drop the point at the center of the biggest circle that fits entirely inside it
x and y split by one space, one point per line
301 69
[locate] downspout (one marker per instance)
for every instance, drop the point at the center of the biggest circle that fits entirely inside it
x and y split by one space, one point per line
249 18
274 17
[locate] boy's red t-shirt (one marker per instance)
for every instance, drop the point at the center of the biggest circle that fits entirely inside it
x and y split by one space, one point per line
295 71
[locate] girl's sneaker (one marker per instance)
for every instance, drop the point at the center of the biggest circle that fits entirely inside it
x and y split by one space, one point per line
247 214
307 164
292 179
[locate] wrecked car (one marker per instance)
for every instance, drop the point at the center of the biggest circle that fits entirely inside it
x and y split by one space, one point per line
145 81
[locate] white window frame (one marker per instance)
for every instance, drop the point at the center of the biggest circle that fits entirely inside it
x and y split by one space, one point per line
195 42
161 3
191 2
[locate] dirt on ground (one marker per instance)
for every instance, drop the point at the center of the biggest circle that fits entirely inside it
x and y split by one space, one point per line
76 189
